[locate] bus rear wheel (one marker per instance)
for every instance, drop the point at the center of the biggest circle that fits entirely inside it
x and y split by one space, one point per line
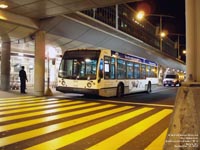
120 90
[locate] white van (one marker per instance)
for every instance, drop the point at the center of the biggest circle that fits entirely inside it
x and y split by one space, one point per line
171 80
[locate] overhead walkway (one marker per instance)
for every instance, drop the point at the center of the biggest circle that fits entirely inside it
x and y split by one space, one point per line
100 28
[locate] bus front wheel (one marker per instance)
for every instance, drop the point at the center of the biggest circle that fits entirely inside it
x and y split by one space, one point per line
120 90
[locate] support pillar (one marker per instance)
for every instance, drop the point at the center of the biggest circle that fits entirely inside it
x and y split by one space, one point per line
117 16
184 130
39 71
5 63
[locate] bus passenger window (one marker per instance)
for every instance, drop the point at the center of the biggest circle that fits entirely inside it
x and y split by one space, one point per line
148 71
154 72
121 71
136 69
109 67
143 71
112 68
129 70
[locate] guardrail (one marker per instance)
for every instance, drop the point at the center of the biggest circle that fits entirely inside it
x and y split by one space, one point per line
122 16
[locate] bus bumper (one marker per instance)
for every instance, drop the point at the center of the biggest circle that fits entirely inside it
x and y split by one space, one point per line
77 90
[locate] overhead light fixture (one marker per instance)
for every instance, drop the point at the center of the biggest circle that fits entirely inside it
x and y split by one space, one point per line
3 5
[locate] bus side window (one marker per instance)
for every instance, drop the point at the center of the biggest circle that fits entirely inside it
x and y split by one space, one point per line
106 70
121 69
129 70
108 67
148 71
112 68
136 69
143 71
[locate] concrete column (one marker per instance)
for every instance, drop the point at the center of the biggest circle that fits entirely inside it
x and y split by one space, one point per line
39 71
184 129
197 40
191 49
5 63
116 16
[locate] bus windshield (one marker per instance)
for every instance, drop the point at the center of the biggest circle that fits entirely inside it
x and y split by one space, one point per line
79 64
173 76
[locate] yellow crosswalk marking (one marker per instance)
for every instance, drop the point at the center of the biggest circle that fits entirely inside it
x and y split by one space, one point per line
78 135
33 105
158 143
128 134
54 117
14 98
48 105
27 101
49 111
55 127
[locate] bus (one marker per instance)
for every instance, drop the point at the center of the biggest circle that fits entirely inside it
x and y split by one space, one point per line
105 73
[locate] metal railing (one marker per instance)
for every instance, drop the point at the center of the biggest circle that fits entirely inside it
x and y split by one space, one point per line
122 17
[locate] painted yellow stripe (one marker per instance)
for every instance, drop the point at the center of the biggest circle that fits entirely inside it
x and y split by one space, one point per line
81 134
15 98
27 101
49 111
53 117
56 127
33 105
130 133
47 105
158 143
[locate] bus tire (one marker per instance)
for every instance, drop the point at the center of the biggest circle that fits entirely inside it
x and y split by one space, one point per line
120 90
149 87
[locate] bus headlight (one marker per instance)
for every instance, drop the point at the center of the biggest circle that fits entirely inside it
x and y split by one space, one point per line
89 84
63 82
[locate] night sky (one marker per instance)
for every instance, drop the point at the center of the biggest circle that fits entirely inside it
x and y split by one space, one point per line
175 8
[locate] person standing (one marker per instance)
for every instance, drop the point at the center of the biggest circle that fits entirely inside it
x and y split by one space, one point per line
23 79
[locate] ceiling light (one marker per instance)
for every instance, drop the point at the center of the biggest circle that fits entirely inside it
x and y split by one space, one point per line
3 5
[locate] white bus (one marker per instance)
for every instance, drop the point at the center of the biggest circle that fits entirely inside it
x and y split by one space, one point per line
105 73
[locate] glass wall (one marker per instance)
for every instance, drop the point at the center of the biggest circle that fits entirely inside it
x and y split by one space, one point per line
19 59
16 61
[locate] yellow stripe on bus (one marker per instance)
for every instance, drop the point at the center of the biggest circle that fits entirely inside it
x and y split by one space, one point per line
130 133
54 117
56 127
81 134
159 142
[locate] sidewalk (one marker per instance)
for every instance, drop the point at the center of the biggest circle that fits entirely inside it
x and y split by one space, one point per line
8 94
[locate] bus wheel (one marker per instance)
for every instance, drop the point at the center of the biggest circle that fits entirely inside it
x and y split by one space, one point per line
149 87
120 90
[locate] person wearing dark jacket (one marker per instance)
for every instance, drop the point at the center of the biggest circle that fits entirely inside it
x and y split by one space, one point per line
23 79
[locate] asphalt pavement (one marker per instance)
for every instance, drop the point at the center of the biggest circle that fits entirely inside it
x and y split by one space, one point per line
30 92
